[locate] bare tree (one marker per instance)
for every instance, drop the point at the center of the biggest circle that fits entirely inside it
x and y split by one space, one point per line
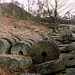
13 10
40 8
1 13
59 6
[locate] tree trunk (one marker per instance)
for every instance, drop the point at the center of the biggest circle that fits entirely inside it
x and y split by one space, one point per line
55 16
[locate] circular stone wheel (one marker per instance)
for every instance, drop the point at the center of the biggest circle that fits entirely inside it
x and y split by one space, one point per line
72 39
70 48
4 45
66 34
18 37
43 51
50 67
30 41
21 47
36 38
69 61
69 71
16 40
10 40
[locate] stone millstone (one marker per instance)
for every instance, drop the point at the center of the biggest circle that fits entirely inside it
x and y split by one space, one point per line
19 37
4 45
70 71
43 51
50 67
69 61
15 62
30 74
64 27
21 47
10 40
24 46
73 29
30 41
69 48
36 38
72 39
16 40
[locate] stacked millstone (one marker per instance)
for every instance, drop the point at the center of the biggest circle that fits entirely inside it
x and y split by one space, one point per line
44 53
7 43
73 29
40 50
15 62
65 33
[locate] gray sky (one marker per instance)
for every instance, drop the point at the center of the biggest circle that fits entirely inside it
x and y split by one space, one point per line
52 1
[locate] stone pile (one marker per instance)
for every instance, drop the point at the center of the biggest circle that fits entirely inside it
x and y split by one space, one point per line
67 52
42 52
36 48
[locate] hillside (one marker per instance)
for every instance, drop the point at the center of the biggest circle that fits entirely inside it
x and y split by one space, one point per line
10 10
27 28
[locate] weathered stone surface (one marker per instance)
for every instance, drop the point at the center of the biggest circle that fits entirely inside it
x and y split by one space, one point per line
65 33
73 29
50 67
16 40
4 45
70 71
19 37
40 51
25 45
64 27
15 62
10 40
36 38
20 48
69 48
30 41
43 51
36 29
69 61
72 39
30 74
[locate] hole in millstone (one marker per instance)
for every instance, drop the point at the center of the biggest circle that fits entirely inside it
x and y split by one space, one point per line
63 72
71 58
20 52
44 54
